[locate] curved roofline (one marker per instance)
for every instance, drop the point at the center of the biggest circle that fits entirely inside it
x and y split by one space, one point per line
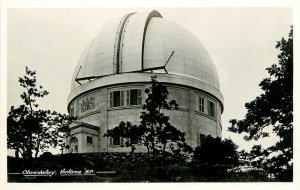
137 50
151 15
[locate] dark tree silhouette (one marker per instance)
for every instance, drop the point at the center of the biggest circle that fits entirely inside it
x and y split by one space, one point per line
215 151
155 131
30 128
273 108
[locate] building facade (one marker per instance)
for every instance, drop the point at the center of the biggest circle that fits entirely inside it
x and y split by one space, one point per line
116 67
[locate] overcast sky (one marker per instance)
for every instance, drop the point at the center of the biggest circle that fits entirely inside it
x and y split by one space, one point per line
241 41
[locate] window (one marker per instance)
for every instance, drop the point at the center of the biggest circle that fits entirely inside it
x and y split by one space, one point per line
133 97
89 140
211 108
116 141
200 139
116 98
72 110
201 104
133 140
73 145
73 141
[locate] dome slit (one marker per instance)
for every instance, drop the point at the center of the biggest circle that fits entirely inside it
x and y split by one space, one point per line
117 46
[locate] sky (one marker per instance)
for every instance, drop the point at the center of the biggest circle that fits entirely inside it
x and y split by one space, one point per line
241 41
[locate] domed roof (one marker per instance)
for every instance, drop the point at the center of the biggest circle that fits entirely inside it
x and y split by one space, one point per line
138 42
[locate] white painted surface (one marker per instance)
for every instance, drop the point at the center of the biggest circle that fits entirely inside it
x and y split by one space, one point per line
162 37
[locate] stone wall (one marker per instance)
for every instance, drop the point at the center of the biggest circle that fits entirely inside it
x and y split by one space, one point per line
94 108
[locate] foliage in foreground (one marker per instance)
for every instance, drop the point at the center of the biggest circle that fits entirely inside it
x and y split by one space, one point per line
273 108
155 131
30 129
215 151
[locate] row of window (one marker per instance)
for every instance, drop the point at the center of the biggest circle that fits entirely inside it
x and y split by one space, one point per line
131 97
125 97
112 141
120 141
74 141
209 105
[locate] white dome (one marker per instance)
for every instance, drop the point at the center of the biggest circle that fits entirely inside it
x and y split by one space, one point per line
140 41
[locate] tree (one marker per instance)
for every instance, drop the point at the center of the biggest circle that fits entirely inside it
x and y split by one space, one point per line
215 151
155 131
273 108
30 128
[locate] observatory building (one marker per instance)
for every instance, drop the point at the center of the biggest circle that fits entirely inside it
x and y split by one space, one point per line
116 67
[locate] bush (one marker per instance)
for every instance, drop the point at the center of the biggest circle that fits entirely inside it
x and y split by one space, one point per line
214 151
46 156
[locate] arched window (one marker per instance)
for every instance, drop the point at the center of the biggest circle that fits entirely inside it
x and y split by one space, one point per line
74 144
73 141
